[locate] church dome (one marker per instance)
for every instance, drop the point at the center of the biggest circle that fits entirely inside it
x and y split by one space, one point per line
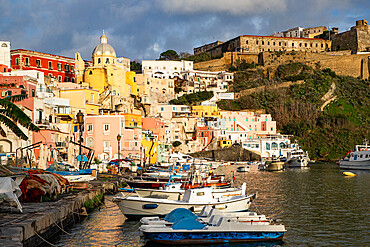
104 49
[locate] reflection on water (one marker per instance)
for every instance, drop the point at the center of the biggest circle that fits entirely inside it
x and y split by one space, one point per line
319 207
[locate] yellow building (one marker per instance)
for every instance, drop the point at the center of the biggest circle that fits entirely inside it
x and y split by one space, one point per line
132 120
150 146
205 111
84 99
107 72
224 143
131 81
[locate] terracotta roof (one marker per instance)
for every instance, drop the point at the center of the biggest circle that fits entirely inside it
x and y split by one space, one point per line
40 53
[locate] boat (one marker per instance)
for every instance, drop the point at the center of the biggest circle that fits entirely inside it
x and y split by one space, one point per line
271 165
219 228
358 159
193 199
242 169
297 158
173 191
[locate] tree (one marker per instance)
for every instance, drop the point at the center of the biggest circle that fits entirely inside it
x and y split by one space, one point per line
169 55
184 55
11 115
136 66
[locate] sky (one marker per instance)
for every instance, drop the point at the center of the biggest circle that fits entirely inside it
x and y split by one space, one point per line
142 29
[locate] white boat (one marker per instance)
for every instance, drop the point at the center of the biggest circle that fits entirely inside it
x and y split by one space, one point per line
193 199
242 169
359 159
173 191
218 228
297 158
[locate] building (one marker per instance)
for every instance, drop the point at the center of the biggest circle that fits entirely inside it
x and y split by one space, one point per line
165 69
205 111
60 67
252 124
254 44
357 39
5 54
312 32
206 47
171 111
296 32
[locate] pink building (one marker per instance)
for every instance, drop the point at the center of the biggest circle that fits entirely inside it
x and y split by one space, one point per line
101 133
204 135
255 124
156 125
14 85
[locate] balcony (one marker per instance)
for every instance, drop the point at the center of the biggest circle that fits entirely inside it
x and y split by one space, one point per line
61 144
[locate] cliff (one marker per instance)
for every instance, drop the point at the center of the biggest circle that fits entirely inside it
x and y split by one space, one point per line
328 114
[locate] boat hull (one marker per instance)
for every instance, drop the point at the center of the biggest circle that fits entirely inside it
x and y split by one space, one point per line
136 207
297 162
212 237
354 165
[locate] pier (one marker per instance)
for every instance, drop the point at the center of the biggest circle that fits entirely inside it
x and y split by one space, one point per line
41 221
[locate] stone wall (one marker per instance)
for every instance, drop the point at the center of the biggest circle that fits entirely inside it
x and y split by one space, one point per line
234 153
229 59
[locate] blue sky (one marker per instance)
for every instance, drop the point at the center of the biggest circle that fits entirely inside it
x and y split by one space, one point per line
142 29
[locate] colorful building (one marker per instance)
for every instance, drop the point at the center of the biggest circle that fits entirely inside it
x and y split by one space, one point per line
81 98
205 111
60 67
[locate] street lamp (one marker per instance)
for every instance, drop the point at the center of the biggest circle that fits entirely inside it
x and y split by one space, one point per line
80 121
119 148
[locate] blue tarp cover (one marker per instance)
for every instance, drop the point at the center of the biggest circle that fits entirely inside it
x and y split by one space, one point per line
179 213
187 224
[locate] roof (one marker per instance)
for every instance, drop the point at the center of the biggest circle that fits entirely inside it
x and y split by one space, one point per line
39 53
260 36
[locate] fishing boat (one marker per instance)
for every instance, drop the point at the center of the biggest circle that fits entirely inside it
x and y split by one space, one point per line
272 165
193 199
359 159
173 191
242 169
297 158
217 228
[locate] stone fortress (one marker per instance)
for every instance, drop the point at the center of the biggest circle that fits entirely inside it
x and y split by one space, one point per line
346 53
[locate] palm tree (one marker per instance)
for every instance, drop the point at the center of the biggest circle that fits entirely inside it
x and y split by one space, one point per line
11 115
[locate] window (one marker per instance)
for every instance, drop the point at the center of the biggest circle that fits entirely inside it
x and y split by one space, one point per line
106 145
27 61
257 42
50 74
66 79
106 128
89 128
17 61
50 65
59 78
33 93
107 61
92 98
38 63
66 67
246 42
90 73
279 43
59 66
72 68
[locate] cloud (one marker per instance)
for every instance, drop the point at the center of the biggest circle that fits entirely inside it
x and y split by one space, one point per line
233 7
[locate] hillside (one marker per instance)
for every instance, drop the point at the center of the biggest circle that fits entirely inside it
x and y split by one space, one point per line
327 134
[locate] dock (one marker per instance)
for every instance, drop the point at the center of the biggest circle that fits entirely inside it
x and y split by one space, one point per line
42 221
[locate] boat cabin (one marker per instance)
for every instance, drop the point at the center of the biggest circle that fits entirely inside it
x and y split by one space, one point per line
201 195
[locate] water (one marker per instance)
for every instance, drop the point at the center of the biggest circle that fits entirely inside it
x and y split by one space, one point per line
318 206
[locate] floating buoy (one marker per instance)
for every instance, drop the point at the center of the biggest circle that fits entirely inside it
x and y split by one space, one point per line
351 174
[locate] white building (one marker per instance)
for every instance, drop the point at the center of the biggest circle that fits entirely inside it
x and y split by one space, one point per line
165 69
5 53
296 32
270 146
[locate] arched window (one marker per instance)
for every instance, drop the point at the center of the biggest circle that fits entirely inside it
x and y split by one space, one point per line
4 45
274 146
107 61
282 145
267 146
90 73
99 60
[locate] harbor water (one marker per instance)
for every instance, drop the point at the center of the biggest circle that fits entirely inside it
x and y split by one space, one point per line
318 205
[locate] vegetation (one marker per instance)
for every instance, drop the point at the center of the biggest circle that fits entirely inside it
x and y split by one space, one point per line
327 134
11 115
173 55
169 55
190 99
135 66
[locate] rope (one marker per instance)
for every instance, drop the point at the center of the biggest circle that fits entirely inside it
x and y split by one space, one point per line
62 229
43 239
129 230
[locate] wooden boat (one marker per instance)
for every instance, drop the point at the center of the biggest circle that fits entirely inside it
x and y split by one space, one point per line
194 199
219 229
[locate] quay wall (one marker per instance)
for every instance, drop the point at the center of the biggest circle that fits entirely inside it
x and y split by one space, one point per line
44 220
234 153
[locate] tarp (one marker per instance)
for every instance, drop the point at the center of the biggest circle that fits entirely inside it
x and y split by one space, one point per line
9 192
179 213
82 158
187 224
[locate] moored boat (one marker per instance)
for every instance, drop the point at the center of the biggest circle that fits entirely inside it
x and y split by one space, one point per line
220 228
194 199
359 159
297 158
